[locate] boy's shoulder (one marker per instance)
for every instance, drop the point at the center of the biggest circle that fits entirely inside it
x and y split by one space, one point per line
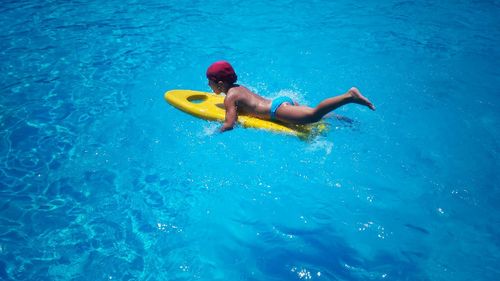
236 91
236 94
239 90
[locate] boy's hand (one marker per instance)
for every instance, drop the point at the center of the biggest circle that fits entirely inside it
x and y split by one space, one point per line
225 127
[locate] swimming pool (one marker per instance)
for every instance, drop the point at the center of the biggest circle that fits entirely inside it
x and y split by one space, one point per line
102 179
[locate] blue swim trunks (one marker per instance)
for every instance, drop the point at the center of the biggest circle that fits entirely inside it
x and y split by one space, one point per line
276 103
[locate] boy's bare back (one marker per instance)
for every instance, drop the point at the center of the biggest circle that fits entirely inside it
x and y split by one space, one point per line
247 102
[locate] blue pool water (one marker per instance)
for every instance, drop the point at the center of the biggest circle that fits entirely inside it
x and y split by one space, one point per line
100 179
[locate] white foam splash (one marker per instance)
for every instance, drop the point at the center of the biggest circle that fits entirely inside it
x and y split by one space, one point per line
211 129
318 145
295 95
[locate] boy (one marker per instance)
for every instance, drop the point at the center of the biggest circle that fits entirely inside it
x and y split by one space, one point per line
222 79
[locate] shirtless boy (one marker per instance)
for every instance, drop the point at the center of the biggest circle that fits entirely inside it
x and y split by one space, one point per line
222 79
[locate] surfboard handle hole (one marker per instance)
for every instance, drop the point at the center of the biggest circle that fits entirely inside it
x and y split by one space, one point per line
197 98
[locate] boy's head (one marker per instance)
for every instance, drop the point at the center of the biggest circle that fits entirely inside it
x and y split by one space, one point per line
221 71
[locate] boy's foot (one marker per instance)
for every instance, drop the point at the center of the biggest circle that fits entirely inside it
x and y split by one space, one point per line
359 98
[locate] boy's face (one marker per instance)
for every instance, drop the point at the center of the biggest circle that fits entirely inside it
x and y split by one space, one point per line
215 87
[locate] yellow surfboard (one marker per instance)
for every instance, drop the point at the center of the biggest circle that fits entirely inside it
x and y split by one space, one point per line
211 107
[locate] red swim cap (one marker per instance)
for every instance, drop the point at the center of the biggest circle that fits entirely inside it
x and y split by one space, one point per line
221 71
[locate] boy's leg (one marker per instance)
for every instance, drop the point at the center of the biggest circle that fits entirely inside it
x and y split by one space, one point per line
295 114
351 96
304 114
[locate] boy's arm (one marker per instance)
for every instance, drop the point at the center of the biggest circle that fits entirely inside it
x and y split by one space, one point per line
231 114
